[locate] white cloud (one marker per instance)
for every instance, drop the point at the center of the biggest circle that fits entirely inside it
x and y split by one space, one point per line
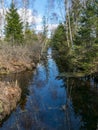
37 20
39 27
52 27
30 18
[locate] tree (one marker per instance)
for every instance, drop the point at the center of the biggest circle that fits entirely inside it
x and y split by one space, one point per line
75 13
68 24
24 15
2 17
13 28
44 27
79 45
59 39
86 38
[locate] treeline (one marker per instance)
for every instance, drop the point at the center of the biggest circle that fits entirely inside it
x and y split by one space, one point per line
77 39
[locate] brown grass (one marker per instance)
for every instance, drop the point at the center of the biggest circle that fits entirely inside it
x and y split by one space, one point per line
10 94
18 58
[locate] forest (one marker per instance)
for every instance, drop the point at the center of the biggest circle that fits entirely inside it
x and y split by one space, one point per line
49 65
76 40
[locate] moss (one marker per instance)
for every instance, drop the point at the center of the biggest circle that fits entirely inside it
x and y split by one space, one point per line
73 74
1 107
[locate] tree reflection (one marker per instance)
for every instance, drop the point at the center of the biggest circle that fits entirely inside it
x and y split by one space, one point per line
85 102
83 94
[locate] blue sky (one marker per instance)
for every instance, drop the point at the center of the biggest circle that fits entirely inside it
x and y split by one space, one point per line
50 9
40 6
53 10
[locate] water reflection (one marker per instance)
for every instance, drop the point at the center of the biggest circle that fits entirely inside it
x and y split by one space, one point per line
23 80
82 99
42 100
85 102
49 103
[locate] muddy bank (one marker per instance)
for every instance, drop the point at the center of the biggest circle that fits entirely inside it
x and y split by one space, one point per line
10 94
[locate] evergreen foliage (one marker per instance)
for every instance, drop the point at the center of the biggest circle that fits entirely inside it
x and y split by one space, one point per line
59 38
83 56
86 38
13 28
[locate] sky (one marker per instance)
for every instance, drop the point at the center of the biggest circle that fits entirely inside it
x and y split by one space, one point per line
53 10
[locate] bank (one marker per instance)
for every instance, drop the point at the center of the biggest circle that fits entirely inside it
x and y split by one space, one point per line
18 58
13 60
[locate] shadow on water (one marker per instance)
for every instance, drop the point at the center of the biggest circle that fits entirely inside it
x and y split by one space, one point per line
82 98
49 103
83 94
23 79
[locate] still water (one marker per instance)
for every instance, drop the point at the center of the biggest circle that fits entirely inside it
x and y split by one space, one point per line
52 103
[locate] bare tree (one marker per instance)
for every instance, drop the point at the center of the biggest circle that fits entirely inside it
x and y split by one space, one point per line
68 24
2 18
25 8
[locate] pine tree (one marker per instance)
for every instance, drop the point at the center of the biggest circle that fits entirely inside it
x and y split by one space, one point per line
13 28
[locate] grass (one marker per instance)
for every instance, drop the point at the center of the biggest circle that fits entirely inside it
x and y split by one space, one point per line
18 57
10 94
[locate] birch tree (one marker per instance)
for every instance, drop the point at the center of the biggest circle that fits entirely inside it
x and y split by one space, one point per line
2 18
25 10
68 24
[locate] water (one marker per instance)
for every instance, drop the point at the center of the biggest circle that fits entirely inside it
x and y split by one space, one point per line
44 96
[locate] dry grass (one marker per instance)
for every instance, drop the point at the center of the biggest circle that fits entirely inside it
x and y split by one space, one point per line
18 58
10 94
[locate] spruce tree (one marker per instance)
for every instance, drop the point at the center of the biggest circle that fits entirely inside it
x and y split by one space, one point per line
59 39
13 28
86 38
